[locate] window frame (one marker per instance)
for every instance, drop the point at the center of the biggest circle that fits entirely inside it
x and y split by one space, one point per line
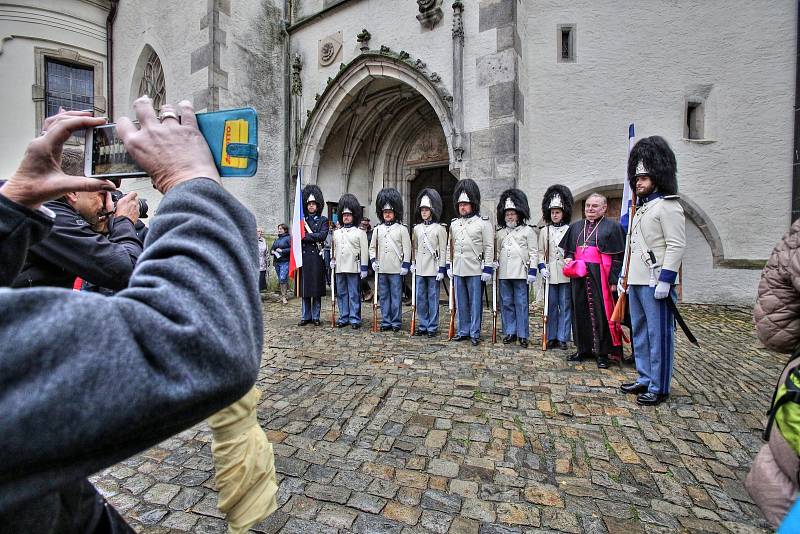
572 44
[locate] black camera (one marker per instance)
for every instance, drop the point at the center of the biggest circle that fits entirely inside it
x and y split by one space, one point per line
116 195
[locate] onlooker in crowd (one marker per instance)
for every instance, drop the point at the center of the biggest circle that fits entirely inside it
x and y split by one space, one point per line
280 249
89 380
772 481
83 244
262 260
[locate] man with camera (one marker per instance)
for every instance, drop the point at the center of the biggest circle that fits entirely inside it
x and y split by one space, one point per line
169 350
93 238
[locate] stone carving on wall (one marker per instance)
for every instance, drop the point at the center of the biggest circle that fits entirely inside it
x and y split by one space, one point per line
430 13
429 147
330 49
297 82
363 40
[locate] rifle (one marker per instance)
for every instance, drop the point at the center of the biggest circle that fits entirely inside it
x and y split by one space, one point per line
494 299
333 280
546 291
451 329
618 315
375 292
413 293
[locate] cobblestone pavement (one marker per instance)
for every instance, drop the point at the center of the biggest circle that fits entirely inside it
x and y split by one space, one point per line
384 433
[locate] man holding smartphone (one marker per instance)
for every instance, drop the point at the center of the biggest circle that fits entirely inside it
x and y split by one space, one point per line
83 243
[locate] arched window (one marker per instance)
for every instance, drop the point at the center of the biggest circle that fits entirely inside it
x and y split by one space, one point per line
152 82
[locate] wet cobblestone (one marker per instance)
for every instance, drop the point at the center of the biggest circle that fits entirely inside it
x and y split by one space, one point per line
381 433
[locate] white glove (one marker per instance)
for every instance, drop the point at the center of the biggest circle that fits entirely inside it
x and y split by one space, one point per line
545 273
333 264
439 277
495 265
531 278
620 289
278 250
662 290
413 267
276 253
363 274
375 266
449 272
486 277
403 271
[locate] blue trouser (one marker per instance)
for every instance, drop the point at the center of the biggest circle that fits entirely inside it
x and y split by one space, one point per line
310 308
514 300
469 299
653 328
348 298
427 303
559 313
282 270
390 293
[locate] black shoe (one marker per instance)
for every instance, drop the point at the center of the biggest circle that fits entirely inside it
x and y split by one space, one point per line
317 323
602 361
433 334
419 332
355 326
552 344
510 338
651 399
523 342
633 388
385 328
475 341
460 338
341 325
577 357
395 329
563 345
303 323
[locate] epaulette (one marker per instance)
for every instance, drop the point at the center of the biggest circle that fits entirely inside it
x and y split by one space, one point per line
484 217
454 219
671 197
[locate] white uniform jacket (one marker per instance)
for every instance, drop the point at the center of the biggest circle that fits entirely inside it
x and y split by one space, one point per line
516 252
473 245
659 226
391 246
549 238
351 249
430 248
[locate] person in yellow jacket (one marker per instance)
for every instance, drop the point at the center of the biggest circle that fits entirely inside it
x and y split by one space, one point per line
654 256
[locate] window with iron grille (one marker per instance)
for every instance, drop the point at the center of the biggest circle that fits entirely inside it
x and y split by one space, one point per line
68 86
566 43
152 83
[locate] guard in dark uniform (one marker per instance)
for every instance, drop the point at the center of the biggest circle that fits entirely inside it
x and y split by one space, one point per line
312 279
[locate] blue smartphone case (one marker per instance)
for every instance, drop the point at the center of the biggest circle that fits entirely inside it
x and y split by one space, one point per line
232 136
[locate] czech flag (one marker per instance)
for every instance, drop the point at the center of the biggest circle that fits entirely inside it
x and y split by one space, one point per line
298 228
627 193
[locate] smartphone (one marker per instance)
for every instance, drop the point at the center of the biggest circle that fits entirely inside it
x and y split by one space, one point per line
105 155
231 134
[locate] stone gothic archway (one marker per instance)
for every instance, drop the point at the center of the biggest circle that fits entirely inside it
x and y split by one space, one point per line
377 124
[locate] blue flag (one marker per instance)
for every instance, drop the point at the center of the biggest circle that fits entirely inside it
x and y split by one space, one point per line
627 193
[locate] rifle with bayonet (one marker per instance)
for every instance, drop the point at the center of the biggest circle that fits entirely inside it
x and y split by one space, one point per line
451 329
546 290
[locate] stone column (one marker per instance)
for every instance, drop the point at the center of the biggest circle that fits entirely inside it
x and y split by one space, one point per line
458 80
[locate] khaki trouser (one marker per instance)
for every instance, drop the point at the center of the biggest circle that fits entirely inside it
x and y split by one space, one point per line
244 464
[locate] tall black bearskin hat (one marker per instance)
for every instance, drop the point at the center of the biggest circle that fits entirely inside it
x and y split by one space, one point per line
349 203
653 157
389 196
430 198
467 191
513 199
557 196
313 192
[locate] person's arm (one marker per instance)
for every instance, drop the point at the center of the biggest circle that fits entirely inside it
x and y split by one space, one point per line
488 247
320 235
89 380
673 226
533 251
105 261
20 228
405 241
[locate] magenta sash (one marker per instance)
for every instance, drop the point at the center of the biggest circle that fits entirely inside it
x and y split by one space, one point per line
593 255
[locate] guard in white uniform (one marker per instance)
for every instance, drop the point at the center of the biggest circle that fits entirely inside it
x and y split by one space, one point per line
517 253
557 213
390 254
351 252
429 241
472 241
657 244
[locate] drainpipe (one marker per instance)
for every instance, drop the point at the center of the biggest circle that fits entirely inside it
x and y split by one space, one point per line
112 15
287 112
796 158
